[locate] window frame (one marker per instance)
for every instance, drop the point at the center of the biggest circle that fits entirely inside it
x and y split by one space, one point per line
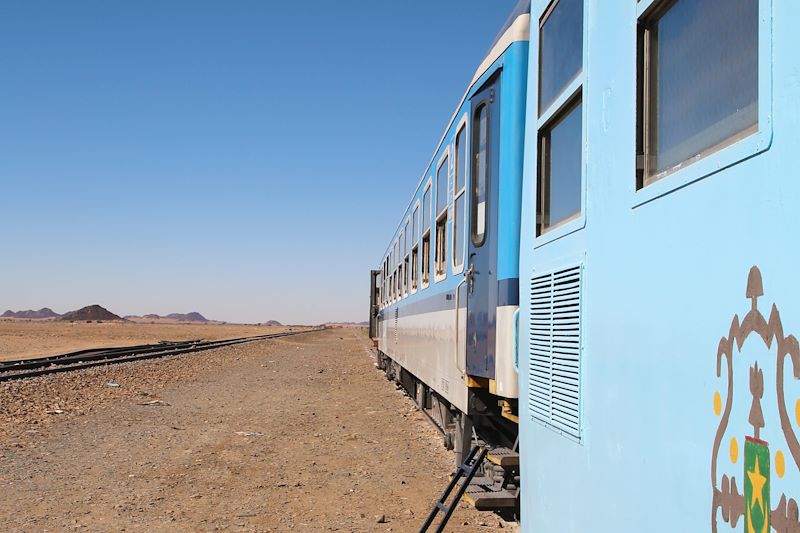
437 275
729 153
543 16
415 223
441 217
406 276
458 268
473 207
416 228
414 265
425 282
577 88
445 156
426 233
407 245
542 171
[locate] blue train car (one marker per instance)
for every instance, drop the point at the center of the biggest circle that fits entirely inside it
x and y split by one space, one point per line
660 369
650 241
446 293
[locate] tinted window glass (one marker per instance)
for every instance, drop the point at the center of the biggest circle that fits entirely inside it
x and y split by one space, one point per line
415 225
704 78
426 260
480 140
414 268
560 176
441 247
458 231
426 210
441 186
461 158
560 49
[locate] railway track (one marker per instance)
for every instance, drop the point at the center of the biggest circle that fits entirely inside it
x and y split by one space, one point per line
29 368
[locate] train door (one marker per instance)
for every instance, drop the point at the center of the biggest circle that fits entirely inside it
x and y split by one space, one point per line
374 302
482 258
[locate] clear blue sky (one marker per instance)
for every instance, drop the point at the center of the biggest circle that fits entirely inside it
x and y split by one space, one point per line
245 159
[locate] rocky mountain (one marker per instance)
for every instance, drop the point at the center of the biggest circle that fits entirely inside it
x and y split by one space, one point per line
91 312
194 316
44 312
272 323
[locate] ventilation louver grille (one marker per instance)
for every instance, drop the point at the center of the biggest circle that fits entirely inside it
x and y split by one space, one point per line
555 349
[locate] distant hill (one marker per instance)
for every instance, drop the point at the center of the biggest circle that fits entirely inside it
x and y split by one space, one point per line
91 312
171 318
44 312
346 324
272 323
194 316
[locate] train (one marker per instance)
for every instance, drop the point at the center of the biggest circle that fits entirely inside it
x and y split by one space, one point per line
595 277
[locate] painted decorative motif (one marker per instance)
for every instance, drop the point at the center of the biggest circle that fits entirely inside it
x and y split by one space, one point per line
763 467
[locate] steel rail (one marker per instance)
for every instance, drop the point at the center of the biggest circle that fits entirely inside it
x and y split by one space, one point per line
28 368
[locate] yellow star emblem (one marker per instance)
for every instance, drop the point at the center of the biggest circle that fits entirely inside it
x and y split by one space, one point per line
758 481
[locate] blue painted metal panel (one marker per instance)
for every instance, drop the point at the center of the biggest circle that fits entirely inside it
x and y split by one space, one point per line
667 277
512 134
482 258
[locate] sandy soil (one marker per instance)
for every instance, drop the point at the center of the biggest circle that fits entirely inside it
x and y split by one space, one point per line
20 339
300 434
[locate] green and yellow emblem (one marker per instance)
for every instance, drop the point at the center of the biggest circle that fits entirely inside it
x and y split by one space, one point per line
756 486
745 499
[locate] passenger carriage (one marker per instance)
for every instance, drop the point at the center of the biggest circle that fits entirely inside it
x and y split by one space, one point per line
659 366
659 299
447 290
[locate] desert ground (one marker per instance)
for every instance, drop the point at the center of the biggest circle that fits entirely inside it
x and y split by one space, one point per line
34 338
298 434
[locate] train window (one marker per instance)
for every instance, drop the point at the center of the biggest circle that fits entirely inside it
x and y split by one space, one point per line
559 181
415 225
426 209
459 191
480 162
408 237
406 275
414 269
560 49
426 259
441 247
458 231
698 82
400 281
441 185
461 158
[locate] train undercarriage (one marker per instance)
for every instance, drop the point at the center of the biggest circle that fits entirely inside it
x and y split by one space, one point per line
490 423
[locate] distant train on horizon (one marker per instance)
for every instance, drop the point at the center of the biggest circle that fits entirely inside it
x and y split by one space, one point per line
595 276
